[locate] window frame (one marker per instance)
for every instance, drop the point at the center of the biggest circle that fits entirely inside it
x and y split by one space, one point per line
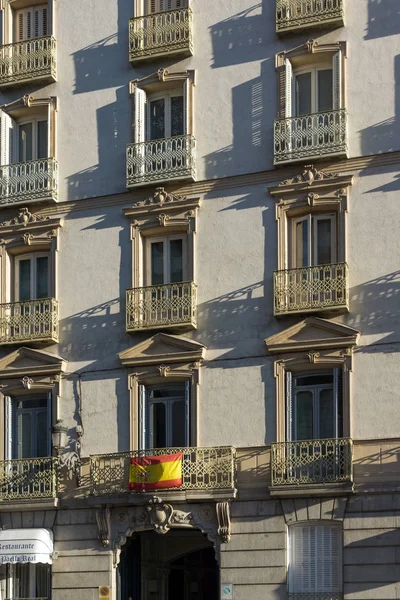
166 96
165 239
34 120
24 11
10 9
313 69
141 11
32 256
11 426
312 218
32 567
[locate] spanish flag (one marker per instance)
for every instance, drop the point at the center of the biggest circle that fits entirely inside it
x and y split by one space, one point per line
155 472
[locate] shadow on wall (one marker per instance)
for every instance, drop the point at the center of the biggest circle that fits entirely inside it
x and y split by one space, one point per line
113 127
252 106
242 38
383 18
375 309
384 136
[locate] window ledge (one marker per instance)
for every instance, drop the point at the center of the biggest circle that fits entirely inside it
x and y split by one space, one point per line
311 489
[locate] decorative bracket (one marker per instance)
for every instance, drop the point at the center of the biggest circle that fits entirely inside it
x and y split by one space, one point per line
104 525
224 521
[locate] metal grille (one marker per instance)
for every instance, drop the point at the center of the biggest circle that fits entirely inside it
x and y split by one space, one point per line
161 33
311 288
25 61
28 478
310 136
161 306
29 321
28 181
312 461
160 160
202 468
314 596
292 14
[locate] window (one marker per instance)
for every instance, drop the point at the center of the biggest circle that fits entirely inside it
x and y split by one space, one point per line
32 140
157 6
166 260
31 23
28 426
32 277
28 580
164 415
313 240
315 559
313 90
166 116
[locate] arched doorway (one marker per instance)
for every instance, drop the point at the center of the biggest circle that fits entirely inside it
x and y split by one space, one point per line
180 565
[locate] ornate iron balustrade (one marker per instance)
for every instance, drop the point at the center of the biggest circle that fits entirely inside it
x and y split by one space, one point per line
160 160
29 321
28 478
310 136
202 469
26 61
308 289
32 181
296 14
314 596
312 461
159 306
166 32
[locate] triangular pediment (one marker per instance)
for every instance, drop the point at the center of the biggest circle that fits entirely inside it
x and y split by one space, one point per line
313 334
163 348
29 361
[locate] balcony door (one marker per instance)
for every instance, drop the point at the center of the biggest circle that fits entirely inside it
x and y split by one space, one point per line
157 6
164 416
31 23
28 580
313 91
32 140
30 317
30 427
166 116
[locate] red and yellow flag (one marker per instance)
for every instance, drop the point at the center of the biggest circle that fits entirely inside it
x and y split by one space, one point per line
155 472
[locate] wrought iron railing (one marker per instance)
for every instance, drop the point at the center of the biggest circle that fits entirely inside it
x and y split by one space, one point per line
314 596
32 320
310 136
29 60
312 461
202 469
160 160
159 306
322 287
295 14
161 33
28 478
30 181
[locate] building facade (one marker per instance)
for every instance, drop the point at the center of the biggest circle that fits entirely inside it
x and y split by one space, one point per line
199 312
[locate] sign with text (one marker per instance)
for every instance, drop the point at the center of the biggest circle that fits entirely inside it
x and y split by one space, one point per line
226 591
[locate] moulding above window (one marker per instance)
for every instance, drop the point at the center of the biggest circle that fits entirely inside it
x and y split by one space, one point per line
296 510
313 334
311 180
163 350
28 362
29 229
29 101
310 47
163 202
162 76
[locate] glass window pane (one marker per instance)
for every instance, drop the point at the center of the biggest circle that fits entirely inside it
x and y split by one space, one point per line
42 581
42 277
42 434
20 580
157 119
169 391
324 242
304 416
325 91
24 435
176 260
25 142
157 263
178 423
308 380
24 280
326 416
42 150
177 115
302 244
158 425
303 94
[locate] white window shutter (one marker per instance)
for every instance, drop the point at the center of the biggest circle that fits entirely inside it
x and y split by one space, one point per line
338 402
8 427
289 406
337 101
187 129
50 125
39 22
142 417
139 115
288 87
20 20
7 126
187 413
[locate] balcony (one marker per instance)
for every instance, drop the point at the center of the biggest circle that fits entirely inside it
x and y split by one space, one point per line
28 478
295 15
32 60
204 470
320 135
314 596
323 462
158 161
32 181
29 321
160 34
322 288
172 305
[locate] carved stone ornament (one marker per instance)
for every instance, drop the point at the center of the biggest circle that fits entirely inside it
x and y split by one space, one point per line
312 356
224 521
27 382
159 198
164 370
24 218
309 175
104 525
163 515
